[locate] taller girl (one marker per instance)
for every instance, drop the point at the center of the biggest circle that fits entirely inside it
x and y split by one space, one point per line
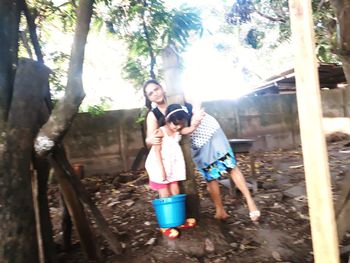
211 151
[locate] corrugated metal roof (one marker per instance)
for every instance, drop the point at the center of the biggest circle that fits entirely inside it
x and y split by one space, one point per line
330 76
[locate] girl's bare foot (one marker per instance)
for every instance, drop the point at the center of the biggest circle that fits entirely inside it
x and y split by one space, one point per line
221 214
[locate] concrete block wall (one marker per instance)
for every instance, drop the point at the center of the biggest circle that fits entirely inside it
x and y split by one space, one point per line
110 142
106 143
271 120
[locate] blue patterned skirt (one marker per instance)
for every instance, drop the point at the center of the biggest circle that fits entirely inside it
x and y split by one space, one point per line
215 158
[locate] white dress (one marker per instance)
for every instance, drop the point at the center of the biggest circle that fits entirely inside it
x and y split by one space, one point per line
173 160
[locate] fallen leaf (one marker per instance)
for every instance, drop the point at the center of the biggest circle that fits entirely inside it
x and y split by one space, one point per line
276 256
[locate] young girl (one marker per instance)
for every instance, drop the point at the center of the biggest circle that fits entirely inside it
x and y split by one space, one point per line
165 163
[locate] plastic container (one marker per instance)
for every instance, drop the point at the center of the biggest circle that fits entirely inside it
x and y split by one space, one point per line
79 170
170 211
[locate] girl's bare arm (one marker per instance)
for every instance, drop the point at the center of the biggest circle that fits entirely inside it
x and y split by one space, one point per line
188 130
158 153
197 117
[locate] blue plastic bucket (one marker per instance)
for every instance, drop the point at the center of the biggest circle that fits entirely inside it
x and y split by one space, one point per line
170 211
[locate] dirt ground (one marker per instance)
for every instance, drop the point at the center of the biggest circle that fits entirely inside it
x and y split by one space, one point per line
282 234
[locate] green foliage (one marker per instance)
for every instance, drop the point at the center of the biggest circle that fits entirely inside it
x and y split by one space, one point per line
240 13
58 78
135 72
147 27
255 38
99 109
142 116
51 17
180 26
325 31
263 15
95 110
63 15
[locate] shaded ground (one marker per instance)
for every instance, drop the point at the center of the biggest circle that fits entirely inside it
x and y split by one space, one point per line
282 235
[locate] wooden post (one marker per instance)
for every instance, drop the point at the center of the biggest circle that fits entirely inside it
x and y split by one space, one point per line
38 223
343 207
62 165
172 73
172 67
123 147
40 175
76 211
318 183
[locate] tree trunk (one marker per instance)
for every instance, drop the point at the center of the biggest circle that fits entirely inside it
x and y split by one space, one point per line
172 72
148 41
342 10
17 222
9 25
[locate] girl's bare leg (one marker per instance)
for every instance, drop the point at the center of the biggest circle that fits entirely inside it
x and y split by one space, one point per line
241 184
169 232
214 190
174 189
164 192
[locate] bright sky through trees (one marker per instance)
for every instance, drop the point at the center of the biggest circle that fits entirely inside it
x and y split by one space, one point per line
210 73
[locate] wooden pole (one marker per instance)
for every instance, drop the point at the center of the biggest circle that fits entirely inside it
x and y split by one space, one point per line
318 183
76 211
172 69
123 148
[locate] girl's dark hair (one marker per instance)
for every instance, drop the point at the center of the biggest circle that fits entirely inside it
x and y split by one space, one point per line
176 113
148 103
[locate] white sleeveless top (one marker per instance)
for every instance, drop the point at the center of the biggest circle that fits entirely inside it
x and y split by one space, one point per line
172 157
204 132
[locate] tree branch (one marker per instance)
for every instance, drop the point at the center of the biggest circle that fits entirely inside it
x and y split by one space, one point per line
32 32
148 40
320 4
62 116
24 39
273 19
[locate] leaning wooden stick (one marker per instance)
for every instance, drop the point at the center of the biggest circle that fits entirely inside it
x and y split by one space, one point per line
76 211
60 159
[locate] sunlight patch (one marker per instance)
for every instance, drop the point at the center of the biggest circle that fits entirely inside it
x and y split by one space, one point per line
42 144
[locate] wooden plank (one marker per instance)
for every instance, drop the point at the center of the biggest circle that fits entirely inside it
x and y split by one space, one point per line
76 210
318 183
47 252
67 172
343 211
38 223
171 65
123 148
